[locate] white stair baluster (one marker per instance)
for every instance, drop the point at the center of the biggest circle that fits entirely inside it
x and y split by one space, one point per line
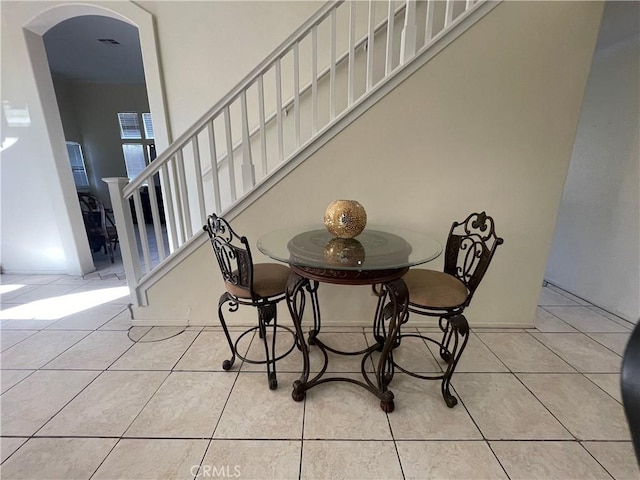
230 164
184 196
155 215
296 92
279 109
248 169
314 80
199 186
352 40
409 33
214 167
332 69
391 17
370 37
448 15
142 231
428 29
178 202
263 129
168 207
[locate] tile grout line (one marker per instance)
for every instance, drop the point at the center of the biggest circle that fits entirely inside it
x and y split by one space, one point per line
33 435
611 396
17 343
105 457
554 353
596 460
606 333
594 308
588 304
304 416
556 317
547 408
395 446
211 439
511 372
576 333
497 458
493 353
224 407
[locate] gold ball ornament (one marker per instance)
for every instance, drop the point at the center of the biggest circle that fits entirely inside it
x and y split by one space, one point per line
345 218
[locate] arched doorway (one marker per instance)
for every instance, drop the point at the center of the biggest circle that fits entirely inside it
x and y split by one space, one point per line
68 218
99 81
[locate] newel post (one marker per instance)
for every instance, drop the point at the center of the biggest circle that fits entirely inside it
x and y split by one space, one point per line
126 234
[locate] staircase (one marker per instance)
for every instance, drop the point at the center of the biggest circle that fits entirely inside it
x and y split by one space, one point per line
340 62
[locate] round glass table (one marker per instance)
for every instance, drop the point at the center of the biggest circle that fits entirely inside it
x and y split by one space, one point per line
379 256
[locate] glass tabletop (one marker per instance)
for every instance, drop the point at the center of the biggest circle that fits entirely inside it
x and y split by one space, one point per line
376 248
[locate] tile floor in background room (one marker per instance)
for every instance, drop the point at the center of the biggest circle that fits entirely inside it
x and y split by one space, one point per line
83 397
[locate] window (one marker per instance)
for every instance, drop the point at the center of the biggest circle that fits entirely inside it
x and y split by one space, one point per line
77 165
136 133
148 126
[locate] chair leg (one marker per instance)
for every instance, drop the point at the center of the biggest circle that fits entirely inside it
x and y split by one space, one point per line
266 314
451 350
233 306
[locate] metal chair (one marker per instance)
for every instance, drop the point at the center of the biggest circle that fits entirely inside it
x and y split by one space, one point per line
100 227
470 247
630 386
260 285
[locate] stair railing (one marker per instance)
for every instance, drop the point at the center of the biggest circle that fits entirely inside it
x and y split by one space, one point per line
348 49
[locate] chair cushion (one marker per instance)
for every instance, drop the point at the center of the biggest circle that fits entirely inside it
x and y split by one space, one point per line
269 279
428 288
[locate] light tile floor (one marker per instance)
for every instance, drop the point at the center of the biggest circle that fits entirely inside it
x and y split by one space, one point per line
85 397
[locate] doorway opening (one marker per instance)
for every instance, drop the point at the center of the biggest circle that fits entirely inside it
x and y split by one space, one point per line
130 23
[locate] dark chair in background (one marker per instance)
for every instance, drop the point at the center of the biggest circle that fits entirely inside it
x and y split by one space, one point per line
100 227
470 247
630 386
262 286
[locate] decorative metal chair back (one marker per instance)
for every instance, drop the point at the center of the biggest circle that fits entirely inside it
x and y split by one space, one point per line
232 252
470 248
100 227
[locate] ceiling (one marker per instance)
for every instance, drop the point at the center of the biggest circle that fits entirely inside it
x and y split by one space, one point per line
75 52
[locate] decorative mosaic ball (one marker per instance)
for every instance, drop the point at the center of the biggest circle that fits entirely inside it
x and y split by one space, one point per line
345 218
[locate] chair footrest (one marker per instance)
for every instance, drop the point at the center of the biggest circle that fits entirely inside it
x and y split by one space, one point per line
272 360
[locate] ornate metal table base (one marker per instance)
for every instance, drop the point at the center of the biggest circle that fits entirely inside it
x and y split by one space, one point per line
393 298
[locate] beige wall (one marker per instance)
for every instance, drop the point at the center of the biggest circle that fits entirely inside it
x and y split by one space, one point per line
208 47
596 247
66 105
488 124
